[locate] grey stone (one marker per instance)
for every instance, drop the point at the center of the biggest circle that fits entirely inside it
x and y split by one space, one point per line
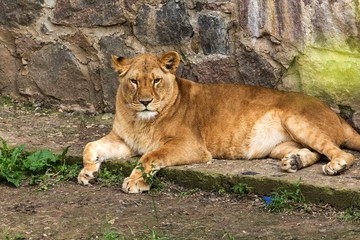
17 13
25 45
171 24
8 72
143 24
88 13
111 45
56 77
216 71
254 69
356 120
213 35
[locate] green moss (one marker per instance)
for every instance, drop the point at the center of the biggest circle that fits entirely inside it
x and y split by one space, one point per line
330 75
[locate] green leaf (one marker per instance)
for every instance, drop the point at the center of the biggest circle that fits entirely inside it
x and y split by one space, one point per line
40 161
62 156
15 155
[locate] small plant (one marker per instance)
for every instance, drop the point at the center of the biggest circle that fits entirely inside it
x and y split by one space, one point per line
110 232
155 235
42 167
147 176
242 189
286 200
183 194
6 235
350 215
155 209
108 177
150 177
229 237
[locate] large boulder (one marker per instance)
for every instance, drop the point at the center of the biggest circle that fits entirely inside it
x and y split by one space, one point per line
56 77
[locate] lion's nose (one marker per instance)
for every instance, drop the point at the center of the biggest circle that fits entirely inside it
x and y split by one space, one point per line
145 103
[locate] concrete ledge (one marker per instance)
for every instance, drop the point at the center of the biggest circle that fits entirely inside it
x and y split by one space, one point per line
341 191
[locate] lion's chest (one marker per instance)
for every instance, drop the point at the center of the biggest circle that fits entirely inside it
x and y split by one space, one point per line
139 137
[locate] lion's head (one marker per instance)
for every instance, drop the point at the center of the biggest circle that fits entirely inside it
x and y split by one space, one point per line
147 82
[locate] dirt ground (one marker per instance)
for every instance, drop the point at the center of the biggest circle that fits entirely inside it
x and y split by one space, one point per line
69 211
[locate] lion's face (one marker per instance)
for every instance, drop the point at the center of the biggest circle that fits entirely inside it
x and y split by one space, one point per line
147 82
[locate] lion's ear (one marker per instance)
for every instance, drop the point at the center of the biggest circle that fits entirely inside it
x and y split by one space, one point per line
120 64
170 61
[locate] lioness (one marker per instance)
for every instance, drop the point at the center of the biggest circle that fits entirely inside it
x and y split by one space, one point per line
174 121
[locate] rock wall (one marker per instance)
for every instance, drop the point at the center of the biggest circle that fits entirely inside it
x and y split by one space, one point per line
57 52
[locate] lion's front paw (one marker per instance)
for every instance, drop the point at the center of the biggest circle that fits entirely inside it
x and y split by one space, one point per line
132 185
291 163
87 177
334 167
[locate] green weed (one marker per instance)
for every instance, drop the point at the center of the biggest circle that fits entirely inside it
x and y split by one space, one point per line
350 215
229 237
42 167
6 236
110 177
147 176
286 200
183 194
150 176
155 235
242 189
112 233
155 209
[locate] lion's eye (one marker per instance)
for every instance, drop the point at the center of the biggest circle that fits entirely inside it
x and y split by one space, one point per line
134 81
157 80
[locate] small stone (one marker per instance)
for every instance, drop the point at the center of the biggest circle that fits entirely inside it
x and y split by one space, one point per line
106 116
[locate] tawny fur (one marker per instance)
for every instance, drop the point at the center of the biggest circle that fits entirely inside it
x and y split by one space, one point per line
174 121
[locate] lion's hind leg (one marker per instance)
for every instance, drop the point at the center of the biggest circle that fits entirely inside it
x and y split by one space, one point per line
294 156
324 139
110 146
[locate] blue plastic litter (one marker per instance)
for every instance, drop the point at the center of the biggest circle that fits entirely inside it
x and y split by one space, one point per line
267 200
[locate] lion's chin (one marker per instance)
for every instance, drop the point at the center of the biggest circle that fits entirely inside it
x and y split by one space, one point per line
146 115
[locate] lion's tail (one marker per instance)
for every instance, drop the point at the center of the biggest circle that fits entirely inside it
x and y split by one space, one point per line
352 138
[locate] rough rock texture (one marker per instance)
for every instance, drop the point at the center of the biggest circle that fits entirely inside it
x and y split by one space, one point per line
86 13
8 72
165 25
111 45
17 13
47 46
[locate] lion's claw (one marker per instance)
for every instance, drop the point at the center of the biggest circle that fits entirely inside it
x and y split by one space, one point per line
132 185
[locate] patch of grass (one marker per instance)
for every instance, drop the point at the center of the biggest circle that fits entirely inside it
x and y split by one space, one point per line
109 232
350 215
229 237
110 177
39 168
284 200
242 189
184 194
6 235
155 209
155 234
